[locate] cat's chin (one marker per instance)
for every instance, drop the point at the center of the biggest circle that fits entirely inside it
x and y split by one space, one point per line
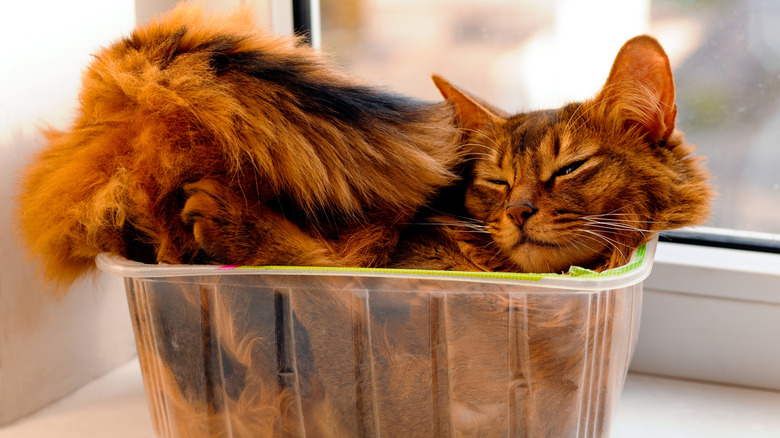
530 241
549 259
535 255
540 249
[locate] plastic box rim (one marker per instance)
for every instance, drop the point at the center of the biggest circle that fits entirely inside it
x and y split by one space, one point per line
636 271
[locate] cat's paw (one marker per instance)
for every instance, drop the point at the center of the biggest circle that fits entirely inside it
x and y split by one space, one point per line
215 217
232 228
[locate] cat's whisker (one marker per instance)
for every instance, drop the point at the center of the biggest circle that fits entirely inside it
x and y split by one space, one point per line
572 120
610 214
462 218
589 236
584 123
618 217
624 225
619 249
493 244
628 222
626 206
615 226
471 227
496 252
475 156
616 246
581 246
448 224
609 230
584 244
611 233
488 148
492 139
488 137
618 226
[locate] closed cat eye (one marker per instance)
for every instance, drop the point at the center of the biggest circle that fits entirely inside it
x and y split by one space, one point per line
569 168
498 182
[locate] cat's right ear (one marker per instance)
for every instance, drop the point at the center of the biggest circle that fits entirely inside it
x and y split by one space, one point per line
472 112
641 85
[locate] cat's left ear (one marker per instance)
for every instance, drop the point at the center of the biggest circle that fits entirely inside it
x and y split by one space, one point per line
472 112
641 82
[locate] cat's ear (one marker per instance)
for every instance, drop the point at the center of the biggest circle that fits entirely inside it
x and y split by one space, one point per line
472 112
641 82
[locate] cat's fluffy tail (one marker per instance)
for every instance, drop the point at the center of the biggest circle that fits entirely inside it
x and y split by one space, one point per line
190 96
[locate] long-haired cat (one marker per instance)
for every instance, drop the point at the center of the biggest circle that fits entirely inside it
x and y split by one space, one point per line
583 185
205 140
190 103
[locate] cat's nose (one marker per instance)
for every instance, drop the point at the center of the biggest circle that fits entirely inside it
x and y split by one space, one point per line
520 212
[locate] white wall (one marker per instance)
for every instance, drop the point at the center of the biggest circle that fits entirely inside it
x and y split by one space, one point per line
271 14
50 347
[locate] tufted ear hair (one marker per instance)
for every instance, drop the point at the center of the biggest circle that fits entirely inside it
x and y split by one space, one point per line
472 112
641 84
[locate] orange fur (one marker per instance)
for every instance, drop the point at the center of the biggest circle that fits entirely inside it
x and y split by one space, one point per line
189 98
205 140
582 185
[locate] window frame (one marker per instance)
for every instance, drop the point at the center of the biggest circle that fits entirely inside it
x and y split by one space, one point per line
724 238
306 20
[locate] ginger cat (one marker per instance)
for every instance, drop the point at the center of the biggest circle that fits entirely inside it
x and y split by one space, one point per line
189 103
582 185
204 140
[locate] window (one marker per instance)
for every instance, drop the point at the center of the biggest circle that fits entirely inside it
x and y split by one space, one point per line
534 54
710 313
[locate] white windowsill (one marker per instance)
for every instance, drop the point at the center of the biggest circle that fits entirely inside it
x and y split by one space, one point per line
716 272
115 406
711 314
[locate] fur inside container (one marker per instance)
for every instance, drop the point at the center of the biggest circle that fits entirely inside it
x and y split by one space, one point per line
285 351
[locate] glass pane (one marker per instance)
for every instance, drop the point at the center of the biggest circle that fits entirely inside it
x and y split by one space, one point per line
528 54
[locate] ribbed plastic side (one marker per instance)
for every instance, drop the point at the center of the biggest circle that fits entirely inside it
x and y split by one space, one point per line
316 356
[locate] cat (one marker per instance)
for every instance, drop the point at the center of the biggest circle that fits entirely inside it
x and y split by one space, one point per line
201 140
192 102
204 140
582 185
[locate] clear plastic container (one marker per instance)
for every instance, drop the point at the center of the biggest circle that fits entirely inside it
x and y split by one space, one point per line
283 351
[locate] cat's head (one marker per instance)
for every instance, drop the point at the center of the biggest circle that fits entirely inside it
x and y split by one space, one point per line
587 183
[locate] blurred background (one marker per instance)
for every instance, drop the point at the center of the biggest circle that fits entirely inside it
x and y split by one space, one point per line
531 54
